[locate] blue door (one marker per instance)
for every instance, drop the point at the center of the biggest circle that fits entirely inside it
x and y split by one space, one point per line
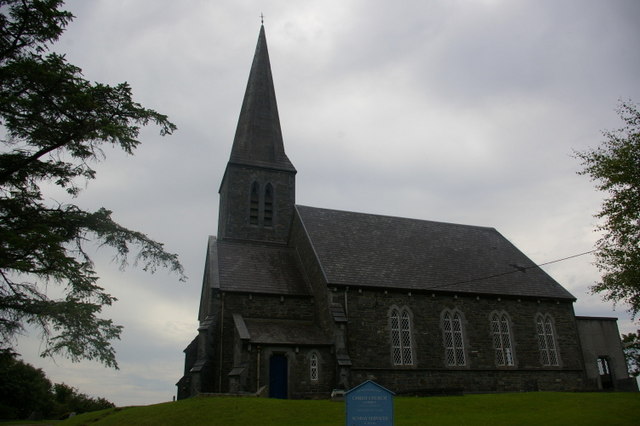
278 376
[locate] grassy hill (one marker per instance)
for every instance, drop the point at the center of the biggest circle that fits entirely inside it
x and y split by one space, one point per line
539 408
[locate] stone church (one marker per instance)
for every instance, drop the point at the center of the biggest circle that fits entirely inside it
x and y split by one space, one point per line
299 301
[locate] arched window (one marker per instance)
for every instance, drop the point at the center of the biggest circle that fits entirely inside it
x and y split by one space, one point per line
546 340
254 204
502 339
400 322
314 367
453 339
268 205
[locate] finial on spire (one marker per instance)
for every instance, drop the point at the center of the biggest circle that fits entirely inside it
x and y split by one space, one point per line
261 18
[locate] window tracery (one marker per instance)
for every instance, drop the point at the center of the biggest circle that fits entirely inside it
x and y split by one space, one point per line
401 342
502 339
453 338
546 340
314 367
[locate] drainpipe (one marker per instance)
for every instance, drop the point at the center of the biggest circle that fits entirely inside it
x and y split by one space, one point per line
258 371
221 341
346 302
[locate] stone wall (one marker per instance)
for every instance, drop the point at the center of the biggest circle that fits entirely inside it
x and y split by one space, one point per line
369 342
300 384
426 381
235 193
253 306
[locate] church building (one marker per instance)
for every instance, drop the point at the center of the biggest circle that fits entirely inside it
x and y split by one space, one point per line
300 301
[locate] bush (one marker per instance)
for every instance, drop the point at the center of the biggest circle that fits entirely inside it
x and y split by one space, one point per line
24 389
25 392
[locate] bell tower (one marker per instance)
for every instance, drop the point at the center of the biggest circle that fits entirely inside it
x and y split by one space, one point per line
257 194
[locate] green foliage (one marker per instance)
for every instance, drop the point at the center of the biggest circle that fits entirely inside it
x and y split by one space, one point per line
615 166
631 348
25 390
535 408
69 400
55 124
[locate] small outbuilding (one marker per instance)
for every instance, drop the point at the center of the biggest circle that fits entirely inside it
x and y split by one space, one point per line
605 366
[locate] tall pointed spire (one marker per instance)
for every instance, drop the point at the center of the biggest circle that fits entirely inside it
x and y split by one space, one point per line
258 139
258 190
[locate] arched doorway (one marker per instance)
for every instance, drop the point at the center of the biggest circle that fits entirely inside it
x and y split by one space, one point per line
278 376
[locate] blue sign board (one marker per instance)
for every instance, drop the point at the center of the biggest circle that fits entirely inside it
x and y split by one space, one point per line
369 404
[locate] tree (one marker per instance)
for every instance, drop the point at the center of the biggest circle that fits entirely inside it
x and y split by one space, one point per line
631 348
69 400
615 166
24 389
54 124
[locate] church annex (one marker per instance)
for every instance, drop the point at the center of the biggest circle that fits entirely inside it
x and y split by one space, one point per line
298 301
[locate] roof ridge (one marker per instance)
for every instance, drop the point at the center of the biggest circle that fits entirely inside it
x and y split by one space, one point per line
255 243
398 217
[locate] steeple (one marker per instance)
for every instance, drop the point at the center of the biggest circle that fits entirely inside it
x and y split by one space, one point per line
257 194
258 139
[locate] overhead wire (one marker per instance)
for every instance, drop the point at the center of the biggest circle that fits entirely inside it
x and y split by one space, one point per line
517 268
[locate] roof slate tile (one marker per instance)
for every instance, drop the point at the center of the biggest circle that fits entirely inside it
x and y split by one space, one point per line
256 268
369 250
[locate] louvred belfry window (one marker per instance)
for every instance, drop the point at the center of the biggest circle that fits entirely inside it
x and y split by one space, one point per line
268 205
502 339
401 350
254 204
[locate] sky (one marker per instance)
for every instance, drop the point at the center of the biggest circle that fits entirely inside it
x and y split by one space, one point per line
456 111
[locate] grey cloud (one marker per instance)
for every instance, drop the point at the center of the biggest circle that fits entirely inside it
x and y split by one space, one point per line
462 112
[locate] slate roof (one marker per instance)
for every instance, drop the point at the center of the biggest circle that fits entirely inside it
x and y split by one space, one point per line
258 138
369 250
256 268
285 332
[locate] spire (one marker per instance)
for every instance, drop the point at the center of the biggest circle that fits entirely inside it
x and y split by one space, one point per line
258 139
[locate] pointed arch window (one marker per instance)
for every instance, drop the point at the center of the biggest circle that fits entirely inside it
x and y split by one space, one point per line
268 205
254 204
453 338
314 367
261 205
546 340
401 344
502 339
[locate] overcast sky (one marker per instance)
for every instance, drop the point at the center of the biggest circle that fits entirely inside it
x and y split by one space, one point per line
456 111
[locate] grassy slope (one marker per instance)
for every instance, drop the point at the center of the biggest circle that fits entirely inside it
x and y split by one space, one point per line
543 408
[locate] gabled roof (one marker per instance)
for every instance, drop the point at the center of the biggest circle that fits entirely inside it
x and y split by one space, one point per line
258 139
257 268
283 332
369 250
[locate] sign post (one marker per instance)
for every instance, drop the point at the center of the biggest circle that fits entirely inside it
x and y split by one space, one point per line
369 404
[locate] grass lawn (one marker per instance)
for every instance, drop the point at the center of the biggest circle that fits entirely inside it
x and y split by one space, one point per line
536 408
